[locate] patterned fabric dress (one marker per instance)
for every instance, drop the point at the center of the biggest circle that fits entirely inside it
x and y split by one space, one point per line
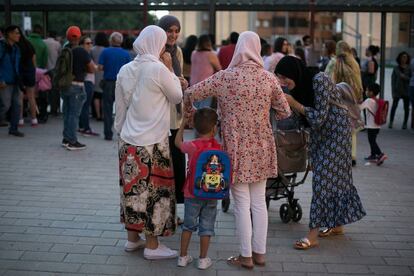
335 200
147 188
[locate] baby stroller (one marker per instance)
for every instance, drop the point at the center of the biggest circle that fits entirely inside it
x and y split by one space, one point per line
291 139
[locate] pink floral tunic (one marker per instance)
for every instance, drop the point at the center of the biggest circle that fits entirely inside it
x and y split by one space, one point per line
245 95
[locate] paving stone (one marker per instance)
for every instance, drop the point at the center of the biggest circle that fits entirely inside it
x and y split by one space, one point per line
102 269
43 256
10 255
85 259
391 270
303 267
66 248
347 268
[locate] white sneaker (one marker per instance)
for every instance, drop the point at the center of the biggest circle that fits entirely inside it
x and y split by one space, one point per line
162 252
204 263
184 261
132 246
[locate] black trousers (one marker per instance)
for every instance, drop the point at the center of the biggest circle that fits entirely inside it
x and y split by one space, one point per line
372 139
179 167
395 102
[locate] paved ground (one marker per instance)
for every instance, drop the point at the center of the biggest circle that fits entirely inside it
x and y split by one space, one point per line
59 215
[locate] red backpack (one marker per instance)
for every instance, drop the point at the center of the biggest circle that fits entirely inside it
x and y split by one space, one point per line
380 116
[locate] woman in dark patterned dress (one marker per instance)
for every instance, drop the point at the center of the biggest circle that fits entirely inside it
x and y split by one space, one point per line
335 201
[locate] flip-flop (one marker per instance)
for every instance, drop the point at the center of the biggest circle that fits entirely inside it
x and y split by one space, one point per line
329 232
304 244
236 261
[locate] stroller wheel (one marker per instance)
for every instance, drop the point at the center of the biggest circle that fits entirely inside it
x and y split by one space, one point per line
297 213
267 202
225 204
284 212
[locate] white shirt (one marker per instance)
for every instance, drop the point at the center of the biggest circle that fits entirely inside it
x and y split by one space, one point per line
371 106
143 95
271 61
53 48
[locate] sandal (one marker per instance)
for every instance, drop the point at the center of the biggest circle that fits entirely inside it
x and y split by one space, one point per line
258 259
329 232
237 261
304 244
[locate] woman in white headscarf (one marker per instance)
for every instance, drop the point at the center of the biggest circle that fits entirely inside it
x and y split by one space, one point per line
145 89
245 94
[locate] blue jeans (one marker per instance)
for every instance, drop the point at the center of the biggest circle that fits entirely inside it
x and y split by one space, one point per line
73 100
108 98
9 99
84 116
201 214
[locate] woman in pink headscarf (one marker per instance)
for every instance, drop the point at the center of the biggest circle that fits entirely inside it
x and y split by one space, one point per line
245 94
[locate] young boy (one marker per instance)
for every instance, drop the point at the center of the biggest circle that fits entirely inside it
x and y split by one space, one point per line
198 213
372 128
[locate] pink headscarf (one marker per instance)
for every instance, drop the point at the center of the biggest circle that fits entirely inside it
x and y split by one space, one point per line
247 50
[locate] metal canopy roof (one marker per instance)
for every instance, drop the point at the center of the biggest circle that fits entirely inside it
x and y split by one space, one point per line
245 5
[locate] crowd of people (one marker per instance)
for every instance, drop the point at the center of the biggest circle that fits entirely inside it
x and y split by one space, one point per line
160 89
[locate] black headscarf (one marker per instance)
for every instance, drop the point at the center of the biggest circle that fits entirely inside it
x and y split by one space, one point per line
294 69
165 23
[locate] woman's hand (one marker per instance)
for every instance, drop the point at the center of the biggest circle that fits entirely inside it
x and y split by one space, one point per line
295 104
167 60
184 83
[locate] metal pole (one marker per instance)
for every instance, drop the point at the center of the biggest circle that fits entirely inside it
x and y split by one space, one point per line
91 27
212 16
383 48
45 22
7 12
145 11
312 20
286 24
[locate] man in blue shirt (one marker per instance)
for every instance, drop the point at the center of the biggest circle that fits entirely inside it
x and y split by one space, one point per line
9 75
110 61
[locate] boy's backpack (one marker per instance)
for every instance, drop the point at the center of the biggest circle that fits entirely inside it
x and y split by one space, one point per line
380 116
350 103
62 76
209 171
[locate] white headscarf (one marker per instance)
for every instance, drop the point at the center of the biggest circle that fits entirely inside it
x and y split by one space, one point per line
150 43
247 50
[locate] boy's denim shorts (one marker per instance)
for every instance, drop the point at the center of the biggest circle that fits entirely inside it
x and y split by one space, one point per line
200 214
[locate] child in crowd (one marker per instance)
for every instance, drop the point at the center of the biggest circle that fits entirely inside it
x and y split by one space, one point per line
370 104
198 213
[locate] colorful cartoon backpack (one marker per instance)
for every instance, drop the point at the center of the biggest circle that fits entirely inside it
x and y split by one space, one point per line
209 171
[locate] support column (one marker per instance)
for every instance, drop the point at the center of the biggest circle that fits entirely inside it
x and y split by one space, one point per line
212 16
312 20
7 12
145 11
383 49
45 24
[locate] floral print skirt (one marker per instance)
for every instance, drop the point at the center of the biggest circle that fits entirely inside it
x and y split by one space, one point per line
147 189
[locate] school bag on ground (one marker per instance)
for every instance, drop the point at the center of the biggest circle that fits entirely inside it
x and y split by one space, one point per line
350 103
380 116
62 75
209 171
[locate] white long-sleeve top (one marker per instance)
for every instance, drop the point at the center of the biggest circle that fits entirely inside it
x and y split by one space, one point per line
143 95
371 106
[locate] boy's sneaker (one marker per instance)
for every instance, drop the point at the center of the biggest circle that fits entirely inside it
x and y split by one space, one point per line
371 158
184 261
132 246
65 142
75 146
162 252
21 122
381 159
204 263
